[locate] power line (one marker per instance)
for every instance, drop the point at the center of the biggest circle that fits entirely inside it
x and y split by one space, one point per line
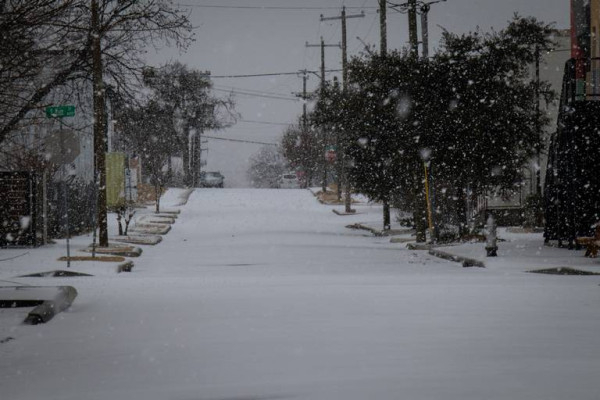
240 141
251 90
286 8
266 96
264 122
268 74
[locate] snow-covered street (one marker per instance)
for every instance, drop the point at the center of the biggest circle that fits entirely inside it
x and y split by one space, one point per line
264 294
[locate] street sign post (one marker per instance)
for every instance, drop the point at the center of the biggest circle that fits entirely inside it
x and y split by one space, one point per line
60 112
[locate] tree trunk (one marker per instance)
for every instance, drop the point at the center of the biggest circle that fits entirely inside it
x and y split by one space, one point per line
157 192
324 182
348 194
420 214
119 223
461 210
99 127
185 156
386 215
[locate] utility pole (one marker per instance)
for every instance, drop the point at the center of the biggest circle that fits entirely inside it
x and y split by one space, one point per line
383 27
343 18
412 28
414 7
304 98
425 30
387 220
538 178
425 8
99 126
304 126
323 132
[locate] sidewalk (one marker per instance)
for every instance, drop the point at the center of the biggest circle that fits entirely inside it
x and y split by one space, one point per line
15 262
516 252
525 252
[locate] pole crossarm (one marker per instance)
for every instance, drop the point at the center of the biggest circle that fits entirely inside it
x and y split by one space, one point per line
338 45
420 6
361 15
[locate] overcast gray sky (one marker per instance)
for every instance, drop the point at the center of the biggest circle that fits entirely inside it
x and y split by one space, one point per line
234 38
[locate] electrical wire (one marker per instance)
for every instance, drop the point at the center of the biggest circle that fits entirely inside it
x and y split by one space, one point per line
286 8
266 96
267 74
251 90
263 122
240 141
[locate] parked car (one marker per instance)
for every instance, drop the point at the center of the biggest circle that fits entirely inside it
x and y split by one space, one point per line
212 179
289 181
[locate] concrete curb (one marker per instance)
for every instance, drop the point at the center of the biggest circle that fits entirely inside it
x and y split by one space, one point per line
48 300
125 267
116 251
359 226
151 219
419 246
173 215
465 261
149 240
343 213
48 309
380 232
152 229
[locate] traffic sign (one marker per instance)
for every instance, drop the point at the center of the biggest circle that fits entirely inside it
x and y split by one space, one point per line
62 147
60 111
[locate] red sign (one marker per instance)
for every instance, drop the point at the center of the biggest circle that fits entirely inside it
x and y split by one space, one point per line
330 156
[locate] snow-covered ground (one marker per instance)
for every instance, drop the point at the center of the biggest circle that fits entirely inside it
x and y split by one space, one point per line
264 294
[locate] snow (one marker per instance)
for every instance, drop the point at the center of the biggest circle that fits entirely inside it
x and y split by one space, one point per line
264 294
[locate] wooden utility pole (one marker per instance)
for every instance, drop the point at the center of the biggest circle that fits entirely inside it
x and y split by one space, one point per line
383 53
304 98
538 178
383 27
343 18
425 8
412 28
425 30
322 45
99 126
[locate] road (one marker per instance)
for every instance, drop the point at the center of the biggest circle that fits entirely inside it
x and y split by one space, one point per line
264 294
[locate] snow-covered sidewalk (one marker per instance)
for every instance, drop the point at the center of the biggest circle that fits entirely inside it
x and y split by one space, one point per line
525 252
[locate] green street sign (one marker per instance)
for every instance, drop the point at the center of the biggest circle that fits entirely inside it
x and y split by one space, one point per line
60 111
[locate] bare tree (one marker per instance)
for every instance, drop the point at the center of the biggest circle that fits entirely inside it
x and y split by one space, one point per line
49 43
266 167
186 94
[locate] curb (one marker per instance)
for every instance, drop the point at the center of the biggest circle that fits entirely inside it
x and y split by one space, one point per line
49 308
125 267
185 196
465 261
45 308
155 219
116 251
343 213
374 231
380 232
152 229
149 240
